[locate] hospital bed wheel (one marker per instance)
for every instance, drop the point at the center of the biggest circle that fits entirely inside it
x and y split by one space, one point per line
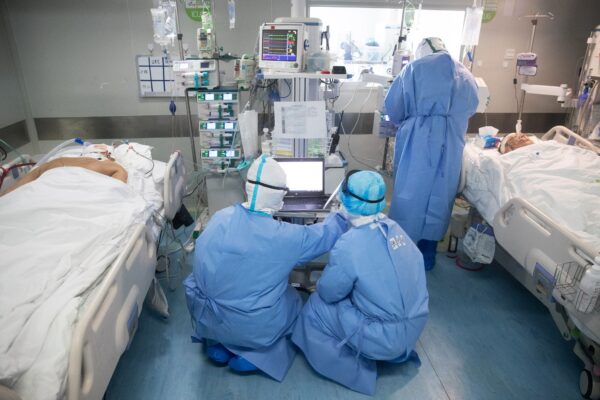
588 386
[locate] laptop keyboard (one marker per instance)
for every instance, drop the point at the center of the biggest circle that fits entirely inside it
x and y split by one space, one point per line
303 203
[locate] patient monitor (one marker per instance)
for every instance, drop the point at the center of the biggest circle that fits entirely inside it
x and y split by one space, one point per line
281 47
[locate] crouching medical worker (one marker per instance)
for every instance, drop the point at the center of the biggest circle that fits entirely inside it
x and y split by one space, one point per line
238 293
432 101
371 302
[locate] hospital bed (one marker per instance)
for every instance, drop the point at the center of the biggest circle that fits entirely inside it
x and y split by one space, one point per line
537 242
107 319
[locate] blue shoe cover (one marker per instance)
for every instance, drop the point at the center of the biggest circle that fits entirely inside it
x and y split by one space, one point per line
414 357
240 364
218 353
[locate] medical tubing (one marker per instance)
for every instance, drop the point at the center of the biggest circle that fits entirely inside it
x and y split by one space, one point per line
58 148
4 171
360 160
9 147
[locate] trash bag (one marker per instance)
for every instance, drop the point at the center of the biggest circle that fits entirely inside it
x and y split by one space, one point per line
479 243
156 300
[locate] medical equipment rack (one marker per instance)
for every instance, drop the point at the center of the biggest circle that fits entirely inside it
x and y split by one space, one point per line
218 129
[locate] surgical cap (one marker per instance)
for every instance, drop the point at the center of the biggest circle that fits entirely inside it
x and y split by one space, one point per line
267 194
428 46
366 185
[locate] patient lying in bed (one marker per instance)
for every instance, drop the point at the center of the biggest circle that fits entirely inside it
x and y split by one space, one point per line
108 167
514 141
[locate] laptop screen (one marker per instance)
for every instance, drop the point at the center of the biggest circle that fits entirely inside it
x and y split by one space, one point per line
304 175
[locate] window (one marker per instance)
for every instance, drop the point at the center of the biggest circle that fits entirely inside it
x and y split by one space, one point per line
444 24
365 37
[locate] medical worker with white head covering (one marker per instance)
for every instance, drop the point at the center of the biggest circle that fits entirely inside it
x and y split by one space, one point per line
238 293
371 302
431 101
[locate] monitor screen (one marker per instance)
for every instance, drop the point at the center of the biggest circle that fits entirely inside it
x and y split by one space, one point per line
303 175
280 45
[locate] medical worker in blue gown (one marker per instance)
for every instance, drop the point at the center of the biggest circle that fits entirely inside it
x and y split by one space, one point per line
432 101
238 293
371 302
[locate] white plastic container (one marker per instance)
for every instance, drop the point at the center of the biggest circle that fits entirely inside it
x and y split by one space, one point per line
488 131
589 288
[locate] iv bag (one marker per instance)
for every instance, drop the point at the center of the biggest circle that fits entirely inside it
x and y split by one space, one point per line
472 26
164 22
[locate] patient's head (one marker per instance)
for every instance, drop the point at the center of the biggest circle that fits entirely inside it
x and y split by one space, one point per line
514 141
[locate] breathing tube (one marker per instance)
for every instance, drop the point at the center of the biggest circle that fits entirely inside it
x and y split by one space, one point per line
61 146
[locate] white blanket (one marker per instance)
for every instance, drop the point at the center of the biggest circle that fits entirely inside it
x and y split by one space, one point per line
562 181
58 235
145 175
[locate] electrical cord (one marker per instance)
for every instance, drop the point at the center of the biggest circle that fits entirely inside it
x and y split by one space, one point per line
359 160
289 88
200 182
147 158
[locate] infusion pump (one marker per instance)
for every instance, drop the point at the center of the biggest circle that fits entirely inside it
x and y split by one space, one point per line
196 73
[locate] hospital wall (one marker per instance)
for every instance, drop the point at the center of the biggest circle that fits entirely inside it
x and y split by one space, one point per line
560 44
77 63
13 127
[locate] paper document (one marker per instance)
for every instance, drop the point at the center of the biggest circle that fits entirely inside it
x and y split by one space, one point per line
300 120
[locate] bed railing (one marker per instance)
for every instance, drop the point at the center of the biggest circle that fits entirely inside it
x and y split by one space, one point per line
109 320
564 135
547 243
174 189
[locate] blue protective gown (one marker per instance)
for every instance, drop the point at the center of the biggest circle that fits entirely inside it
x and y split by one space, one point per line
432 101
371 304
238 293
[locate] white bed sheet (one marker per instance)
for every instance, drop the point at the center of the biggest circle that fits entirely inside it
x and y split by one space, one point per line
58 235
144 174
562 181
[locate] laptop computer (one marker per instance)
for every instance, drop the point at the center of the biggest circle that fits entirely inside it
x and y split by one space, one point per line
306 183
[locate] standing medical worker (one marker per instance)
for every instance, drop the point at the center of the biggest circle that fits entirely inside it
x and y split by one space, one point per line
238 293
371 301
432 101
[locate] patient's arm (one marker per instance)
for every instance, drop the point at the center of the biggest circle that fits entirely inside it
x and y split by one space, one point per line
30 177
108 168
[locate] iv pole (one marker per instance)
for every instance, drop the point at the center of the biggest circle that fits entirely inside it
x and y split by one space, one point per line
387 139
534 21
